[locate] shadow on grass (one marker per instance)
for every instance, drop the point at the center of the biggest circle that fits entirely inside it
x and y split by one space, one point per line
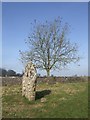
41 94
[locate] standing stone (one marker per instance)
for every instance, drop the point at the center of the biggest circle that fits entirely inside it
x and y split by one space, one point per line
29 82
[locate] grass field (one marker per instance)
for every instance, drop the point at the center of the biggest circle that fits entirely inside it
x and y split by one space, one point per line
68 100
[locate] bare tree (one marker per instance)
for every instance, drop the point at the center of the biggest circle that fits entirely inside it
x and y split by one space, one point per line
49 47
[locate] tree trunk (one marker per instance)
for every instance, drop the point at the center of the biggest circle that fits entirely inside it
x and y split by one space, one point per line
48 73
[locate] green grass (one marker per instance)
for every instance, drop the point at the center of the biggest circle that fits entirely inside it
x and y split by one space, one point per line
62 101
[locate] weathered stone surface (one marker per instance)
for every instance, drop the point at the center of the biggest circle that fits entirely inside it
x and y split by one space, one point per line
29 82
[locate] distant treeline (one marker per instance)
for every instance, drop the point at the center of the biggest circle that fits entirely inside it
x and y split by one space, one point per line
4 73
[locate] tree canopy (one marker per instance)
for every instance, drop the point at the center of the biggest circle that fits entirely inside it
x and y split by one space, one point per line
11 73
49 46
3 72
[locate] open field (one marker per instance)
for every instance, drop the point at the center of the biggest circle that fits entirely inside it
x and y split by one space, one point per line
61 100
